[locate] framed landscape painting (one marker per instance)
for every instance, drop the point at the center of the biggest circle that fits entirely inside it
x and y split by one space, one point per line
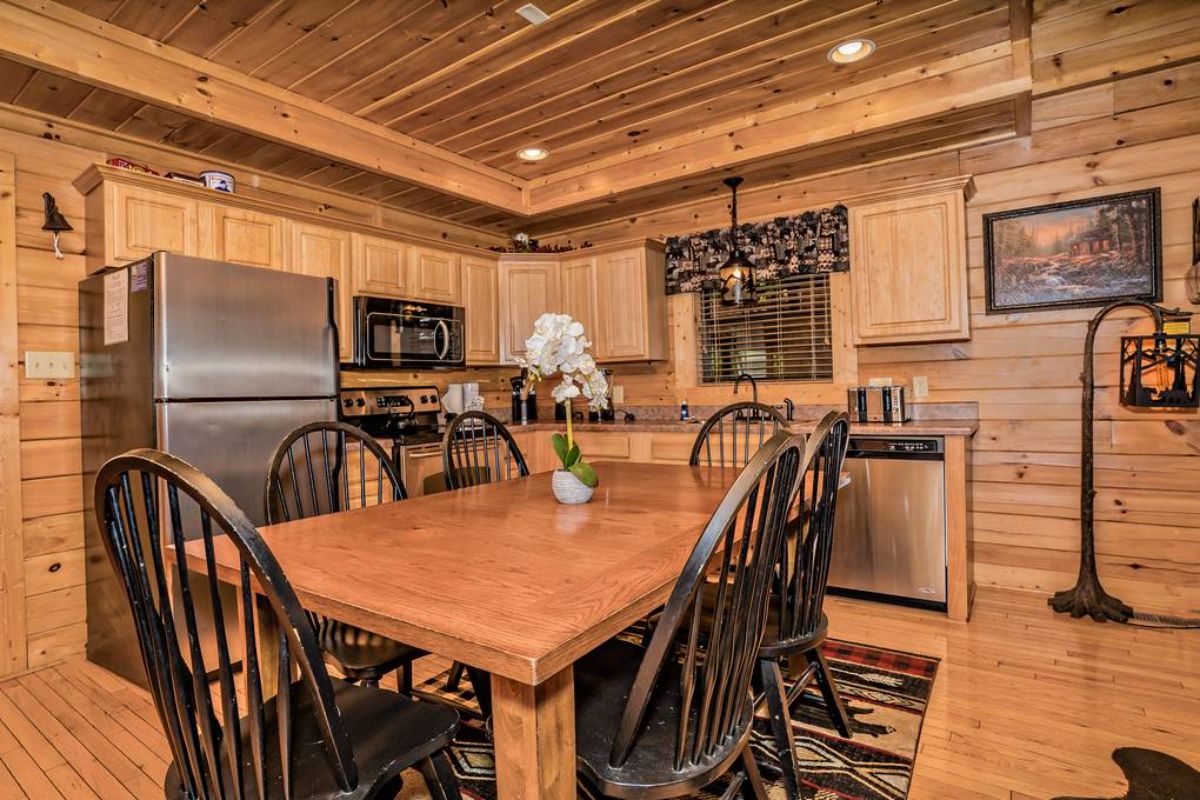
1080 253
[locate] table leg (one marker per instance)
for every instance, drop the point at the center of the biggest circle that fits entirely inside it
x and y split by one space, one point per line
266 634
534 729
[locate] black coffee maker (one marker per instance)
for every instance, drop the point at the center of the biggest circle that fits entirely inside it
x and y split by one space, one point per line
523 409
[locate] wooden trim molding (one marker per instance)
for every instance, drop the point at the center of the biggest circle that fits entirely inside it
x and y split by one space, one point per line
13 651
67 42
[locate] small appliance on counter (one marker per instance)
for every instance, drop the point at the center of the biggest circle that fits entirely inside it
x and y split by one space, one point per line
877 404
523 409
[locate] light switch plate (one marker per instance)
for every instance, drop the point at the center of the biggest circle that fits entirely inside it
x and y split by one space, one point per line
920 386
618 394
47 364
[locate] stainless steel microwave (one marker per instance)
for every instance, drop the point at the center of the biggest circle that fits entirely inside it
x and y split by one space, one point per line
390 333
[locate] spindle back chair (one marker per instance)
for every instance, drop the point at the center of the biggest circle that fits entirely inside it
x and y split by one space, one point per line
690 707
731 437
296 744
328 466
798 625
320 468
477 448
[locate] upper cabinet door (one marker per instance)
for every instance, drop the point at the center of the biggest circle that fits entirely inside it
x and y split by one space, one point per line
527 290
325 252
480 294
246 237
145 221
631 312
909 270
579 292
434 276
382 265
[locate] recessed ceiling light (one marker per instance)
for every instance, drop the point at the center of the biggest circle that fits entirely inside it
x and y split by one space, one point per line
850 51
532 154
533 14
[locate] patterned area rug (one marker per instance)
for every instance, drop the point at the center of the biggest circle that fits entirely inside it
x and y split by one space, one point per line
885 692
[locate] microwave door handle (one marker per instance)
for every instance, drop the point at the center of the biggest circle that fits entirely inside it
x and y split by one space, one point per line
444 330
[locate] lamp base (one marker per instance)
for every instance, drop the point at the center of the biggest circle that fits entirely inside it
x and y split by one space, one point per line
1088 598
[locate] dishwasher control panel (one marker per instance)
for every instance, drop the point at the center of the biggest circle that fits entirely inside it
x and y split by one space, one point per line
891 444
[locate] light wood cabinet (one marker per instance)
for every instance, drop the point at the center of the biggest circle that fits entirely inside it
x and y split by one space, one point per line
242 236
325 252
618 293
433 276
528 289
381 265
480 294
145 221
908 270
579 291
631 313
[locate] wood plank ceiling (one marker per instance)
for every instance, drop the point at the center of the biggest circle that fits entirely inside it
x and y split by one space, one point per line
598 82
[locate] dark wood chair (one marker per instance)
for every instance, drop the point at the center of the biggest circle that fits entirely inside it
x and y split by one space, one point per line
797 625
731 437
320 468
317 737
477 449
670 719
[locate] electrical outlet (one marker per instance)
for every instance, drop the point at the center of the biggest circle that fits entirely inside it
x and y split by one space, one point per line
920 386
618 394
43 364
879 382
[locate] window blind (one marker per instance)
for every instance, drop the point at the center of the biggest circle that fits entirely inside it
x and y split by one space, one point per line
786 336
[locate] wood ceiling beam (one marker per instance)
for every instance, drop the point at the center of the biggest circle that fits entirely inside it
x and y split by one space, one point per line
66 42
731 145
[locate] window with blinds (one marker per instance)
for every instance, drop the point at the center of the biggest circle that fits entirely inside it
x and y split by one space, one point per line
786 336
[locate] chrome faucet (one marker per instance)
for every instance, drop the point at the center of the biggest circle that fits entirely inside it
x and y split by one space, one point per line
747 377
789 409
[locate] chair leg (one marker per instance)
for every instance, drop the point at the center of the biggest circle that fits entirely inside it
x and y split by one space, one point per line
833 699
455 677
404 678
781 725
481 682
439 777
752 788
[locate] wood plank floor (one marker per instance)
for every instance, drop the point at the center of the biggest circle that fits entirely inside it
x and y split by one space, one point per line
1027 705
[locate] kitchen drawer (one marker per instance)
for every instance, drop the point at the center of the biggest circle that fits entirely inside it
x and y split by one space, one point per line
671 448
604 446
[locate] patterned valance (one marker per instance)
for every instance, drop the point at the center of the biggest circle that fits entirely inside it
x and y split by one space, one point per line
815 241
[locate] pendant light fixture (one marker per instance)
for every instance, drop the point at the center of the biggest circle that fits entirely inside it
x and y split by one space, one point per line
737 273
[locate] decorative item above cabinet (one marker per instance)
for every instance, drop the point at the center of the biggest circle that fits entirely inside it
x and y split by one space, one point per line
618 291
908 256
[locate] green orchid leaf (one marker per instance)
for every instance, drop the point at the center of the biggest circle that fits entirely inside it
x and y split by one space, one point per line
587 476
572 455
560 447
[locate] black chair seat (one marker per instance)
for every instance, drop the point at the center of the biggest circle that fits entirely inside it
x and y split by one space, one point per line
359 650
603 679
390 733
773 646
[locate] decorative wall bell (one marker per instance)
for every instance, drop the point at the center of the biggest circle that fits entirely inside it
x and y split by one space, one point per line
54 222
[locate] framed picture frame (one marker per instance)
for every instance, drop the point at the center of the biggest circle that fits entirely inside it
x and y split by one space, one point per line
1074 254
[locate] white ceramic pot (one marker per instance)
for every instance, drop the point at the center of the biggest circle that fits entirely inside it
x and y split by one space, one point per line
568 489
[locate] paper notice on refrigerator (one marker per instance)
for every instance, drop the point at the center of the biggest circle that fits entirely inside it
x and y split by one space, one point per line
116 307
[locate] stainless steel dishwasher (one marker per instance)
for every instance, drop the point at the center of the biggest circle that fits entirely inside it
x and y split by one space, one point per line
890 532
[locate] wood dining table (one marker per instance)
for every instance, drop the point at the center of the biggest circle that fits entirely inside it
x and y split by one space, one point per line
504 578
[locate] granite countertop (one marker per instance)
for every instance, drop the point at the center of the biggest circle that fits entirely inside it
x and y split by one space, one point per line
922 427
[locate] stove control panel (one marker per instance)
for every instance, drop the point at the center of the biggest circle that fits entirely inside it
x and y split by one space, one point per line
378 400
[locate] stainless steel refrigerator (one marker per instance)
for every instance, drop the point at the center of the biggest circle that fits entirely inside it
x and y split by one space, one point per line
211 362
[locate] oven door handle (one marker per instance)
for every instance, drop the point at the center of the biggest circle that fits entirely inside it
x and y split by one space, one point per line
444 330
